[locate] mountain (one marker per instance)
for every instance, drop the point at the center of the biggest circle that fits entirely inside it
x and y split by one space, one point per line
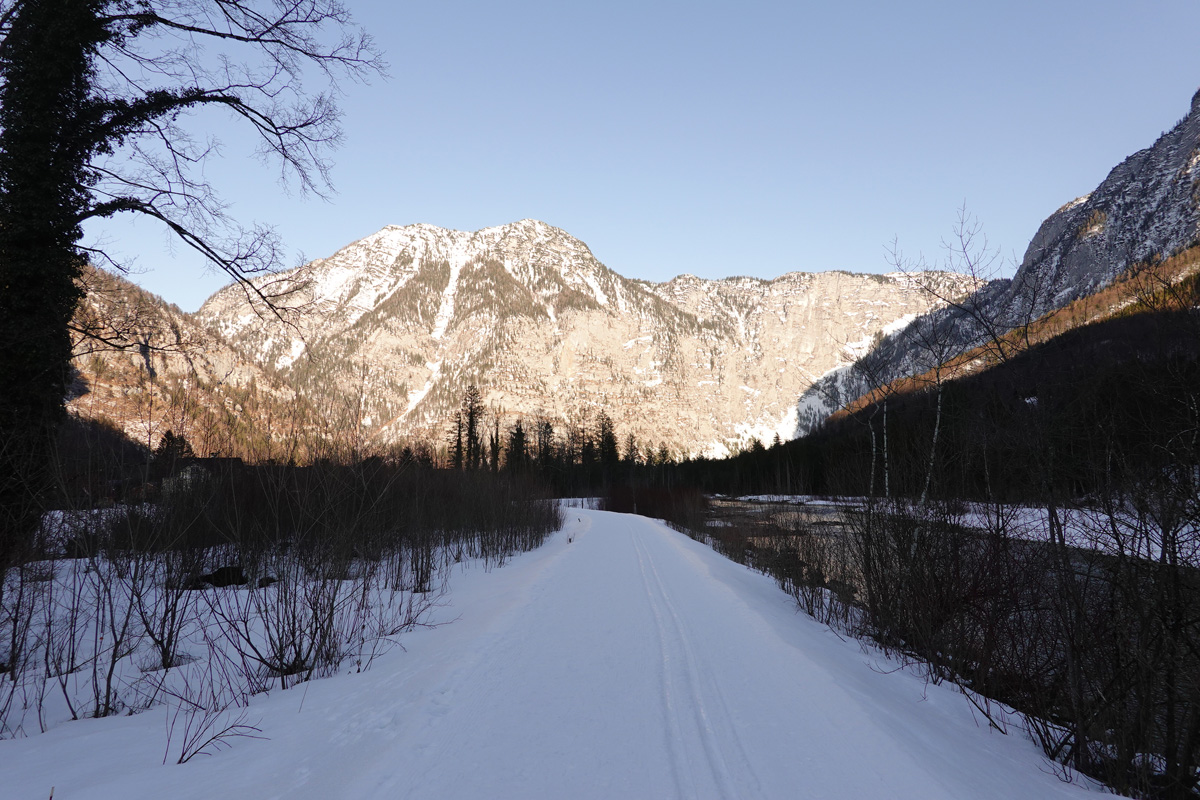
392 329
1145 211
147 367
1147 208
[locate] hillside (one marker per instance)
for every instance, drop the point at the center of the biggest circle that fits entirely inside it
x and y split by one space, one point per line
1104 388
1146 211
147 367
1165 291
382 338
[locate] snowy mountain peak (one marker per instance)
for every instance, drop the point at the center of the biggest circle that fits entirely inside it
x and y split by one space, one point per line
410 315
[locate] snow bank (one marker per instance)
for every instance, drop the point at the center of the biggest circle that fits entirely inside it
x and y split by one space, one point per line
621 659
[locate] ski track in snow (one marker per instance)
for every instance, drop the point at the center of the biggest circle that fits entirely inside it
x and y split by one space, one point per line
632 662
679 662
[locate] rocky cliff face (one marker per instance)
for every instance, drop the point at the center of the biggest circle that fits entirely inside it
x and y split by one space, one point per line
397 325
1147 208
146 367
386 334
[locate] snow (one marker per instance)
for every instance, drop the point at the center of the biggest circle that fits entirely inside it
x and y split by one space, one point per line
898 324
745 432
794 499
295 351
818 400
435 372
334 282
629 662
445 312
1119 531
459 255
597 292
788 423
1078 201
856 350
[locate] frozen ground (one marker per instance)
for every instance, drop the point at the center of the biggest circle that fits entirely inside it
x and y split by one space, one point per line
632 662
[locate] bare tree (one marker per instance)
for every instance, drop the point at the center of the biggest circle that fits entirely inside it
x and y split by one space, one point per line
997 315
932 345
96 101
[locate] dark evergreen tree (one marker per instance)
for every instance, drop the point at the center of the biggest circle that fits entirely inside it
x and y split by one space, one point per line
632 457
587 451
518 447
544 435
606 441
472 421
456 442
92 98
171 448
494 445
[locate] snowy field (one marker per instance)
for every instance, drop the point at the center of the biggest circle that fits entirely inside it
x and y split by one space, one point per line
631 662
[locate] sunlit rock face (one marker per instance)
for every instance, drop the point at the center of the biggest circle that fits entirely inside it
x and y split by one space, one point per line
405 319
1147 208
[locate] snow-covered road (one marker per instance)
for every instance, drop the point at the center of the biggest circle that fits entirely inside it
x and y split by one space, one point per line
631 662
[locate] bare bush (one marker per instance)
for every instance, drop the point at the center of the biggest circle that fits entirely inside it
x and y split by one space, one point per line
207 714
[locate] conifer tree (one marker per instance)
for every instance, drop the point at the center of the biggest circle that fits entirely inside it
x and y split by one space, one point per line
472 422
606 440
518 447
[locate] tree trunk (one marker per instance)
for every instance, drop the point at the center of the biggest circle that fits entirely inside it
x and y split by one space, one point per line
937 427
45 120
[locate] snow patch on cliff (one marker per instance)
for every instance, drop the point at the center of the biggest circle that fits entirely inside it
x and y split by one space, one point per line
445 312
297 350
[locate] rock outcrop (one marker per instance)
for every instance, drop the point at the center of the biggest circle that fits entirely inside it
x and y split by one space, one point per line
400 323
1148 208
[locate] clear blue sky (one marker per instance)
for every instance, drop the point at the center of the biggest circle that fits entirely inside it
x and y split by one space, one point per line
722 138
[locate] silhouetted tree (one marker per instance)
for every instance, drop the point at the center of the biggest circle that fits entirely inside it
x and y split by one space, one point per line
456 442
606 441
494 445
472 419
544 443
631 449
517 457
171 448
93 97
